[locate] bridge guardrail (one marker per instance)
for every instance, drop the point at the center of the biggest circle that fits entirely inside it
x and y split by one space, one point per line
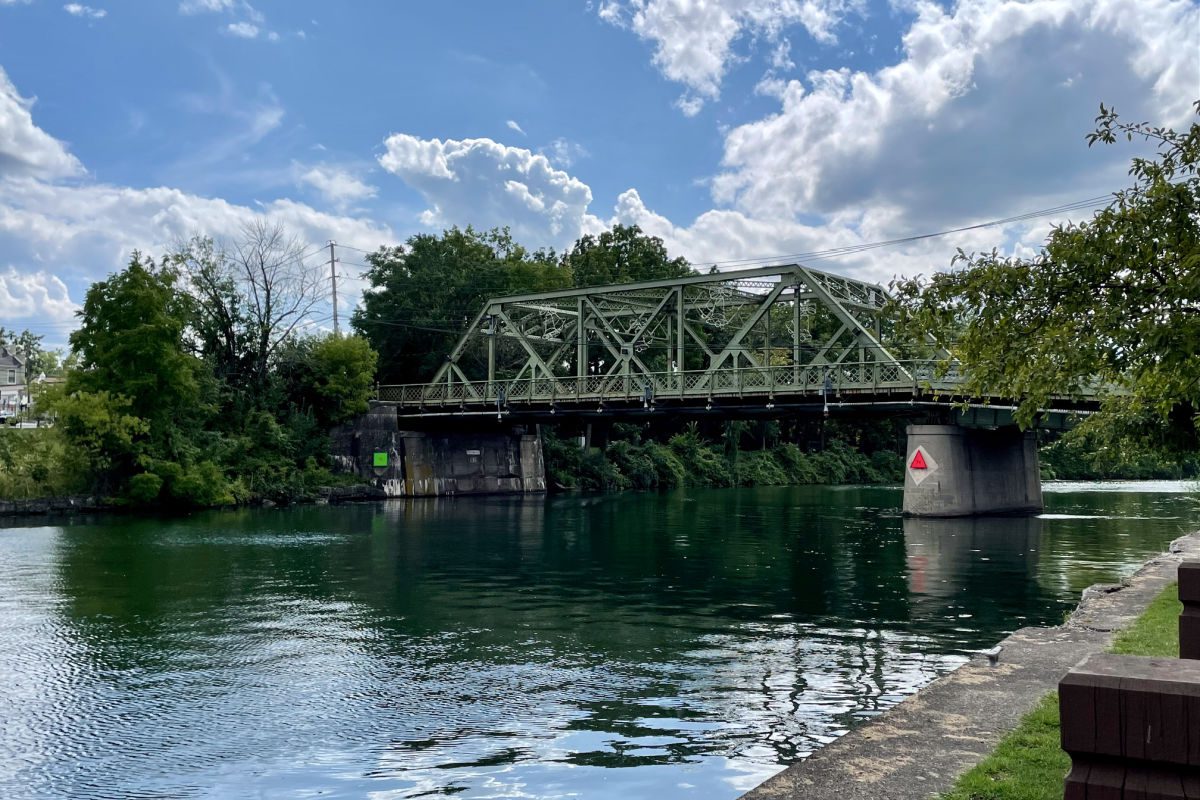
810 379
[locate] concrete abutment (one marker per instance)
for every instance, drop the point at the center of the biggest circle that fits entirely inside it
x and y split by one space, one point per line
955 471
499 460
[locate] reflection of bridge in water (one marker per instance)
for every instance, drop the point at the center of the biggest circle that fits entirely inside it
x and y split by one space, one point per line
768 342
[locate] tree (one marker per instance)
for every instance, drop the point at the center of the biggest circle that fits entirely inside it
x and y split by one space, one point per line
331 377
622 255
423 295
130 343
250 295
1111 301
102 435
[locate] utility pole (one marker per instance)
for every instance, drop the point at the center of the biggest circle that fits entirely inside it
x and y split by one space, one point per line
333 280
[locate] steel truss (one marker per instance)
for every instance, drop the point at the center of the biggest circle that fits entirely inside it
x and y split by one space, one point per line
783 329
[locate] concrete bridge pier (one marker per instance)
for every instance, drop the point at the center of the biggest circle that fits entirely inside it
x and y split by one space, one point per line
954 471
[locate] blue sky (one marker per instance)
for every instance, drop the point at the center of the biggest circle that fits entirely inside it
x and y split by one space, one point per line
733 129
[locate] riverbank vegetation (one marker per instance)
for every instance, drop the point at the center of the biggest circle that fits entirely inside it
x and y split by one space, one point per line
735 453
196 384
1028 763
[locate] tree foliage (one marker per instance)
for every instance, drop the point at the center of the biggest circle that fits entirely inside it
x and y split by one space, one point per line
333 377
194 386
424 294
250 296
622 255
1113 301
131 346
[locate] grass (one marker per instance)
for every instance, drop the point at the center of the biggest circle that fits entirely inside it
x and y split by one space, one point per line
1156 632
1028 763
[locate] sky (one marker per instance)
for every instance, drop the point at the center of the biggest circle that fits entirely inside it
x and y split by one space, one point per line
741 132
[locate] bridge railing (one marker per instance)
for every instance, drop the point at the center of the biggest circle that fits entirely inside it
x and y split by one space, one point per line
812 379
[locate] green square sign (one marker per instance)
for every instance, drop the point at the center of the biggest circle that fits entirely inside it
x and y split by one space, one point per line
380 460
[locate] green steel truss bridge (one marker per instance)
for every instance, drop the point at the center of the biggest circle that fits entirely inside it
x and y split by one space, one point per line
746 342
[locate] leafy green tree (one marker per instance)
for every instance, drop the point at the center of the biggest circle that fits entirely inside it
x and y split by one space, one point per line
423 295
331 377
622 255
130 343
1111 301
103 437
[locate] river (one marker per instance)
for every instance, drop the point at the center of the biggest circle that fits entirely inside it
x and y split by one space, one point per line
676 645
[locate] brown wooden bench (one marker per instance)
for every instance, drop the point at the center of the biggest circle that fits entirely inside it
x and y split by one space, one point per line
1189 620
1132 728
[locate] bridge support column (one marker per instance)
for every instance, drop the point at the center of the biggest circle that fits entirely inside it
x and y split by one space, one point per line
952 471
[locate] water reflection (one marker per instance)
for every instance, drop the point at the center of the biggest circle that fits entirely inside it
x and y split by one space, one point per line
678 645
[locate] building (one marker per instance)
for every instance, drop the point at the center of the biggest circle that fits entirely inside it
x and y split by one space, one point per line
14 394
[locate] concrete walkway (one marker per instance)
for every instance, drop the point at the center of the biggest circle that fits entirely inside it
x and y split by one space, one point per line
919 747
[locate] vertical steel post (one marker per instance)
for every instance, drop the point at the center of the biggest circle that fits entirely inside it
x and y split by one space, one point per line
679 312
795 334
491 354
581 348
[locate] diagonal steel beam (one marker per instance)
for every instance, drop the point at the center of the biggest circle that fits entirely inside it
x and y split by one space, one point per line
834 305
535 358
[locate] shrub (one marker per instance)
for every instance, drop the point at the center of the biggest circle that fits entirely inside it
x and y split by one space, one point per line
597 473
760 468
144 488
631 461
668 469
202 485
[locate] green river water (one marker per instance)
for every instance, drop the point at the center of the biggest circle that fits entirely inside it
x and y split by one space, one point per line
677 645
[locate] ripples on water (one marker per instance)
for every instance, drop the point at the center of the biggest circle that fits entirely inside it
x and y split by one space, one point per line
637 645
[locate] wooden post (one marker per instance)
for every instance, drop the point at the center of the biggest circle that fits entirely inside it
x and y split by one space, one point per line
1189 620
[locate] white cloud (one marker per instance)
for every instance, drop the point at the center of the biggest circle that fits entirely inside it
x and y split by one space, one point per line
513 126
36 296
564 153
94 227
987 105
694 38
722 236
203 6
25 149
242 30
77 10
339 186
248 23
78 234
690 105
486 183
57 237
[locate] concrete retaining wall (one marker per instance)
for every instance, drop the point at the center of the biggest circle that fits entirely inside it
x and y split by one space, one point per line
422 464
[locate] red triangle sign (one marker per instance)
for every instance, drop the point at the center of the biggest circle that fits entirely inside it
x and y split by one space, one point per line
918 461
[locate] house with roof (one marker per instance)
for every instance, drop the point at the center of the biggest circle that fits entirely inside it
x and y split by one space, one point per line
14 394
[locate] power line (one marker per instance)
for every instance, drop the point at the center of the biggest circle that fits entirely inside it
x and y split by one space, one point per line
817 255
